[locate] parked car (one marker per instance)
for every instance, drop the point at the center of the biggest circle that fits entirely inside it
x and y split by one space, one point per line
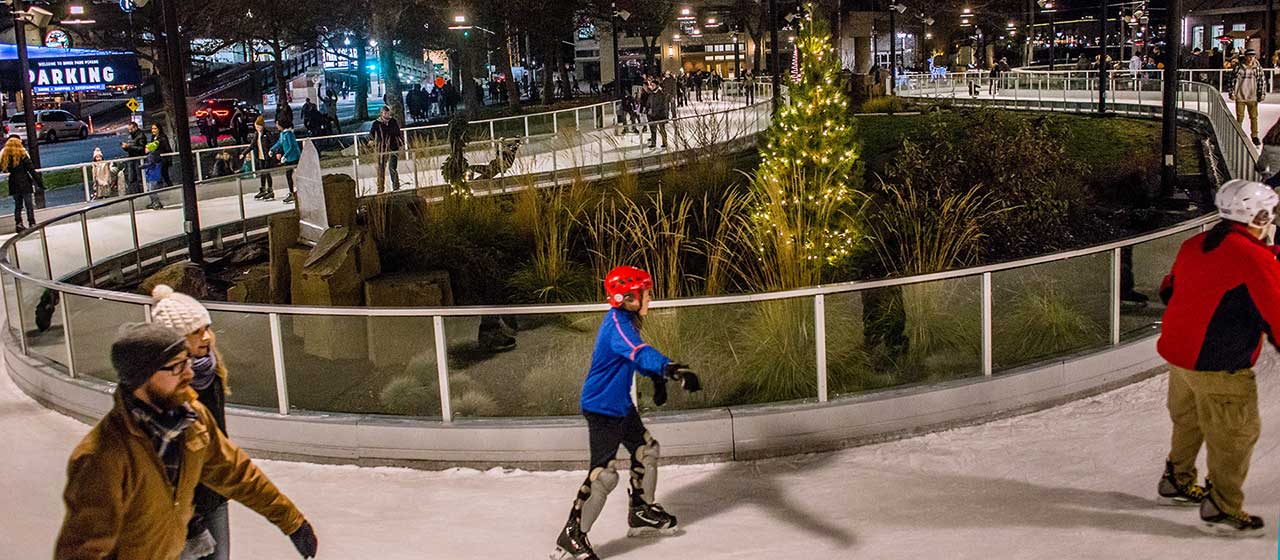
223 109
51 124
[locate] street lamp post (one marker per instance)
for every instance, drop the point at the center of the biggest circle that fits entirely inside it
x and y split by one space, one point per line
1169 131
737 68
894 9
775 56
40 18
618 16
178 91
1102 60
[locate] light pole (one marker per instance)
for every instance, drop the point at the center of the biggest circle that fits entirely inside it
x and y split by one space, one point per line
775 56
622 15
894 9
39 18
1047 7
737 68
1102 60
1169 130
178 91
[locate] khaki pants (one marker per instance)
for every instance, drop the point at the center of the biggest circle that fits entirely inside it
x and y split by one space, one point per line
1252 107
1220 410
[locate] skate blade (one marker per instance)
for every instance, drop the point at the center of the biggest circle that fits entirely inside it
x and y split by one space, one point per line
1220 530
651 532
1176 502
562 554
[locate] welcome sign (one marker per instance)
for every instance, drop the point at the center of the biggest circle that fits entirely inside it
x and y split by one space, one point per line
82 74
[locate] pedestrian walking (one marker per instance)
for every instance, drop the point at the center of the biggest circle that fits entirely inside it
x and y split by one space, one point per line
258 155
131 481
135 147
1247 90
1223 298
386 139
612 418
240 126
716 82
208 125
104 176
23 181
158 136
288 152
750 87
208 533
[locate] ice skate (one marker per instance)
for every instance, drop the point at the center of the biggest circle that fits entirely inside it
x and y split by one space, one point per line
572 544
1218 523
1171 494
650 520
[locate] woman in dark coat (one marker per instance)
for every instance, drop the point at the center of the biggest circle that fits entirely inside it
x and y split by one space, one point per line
23 179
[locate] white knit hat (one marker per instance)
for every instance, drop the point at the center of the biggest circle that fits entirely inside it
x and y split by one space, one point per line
178 310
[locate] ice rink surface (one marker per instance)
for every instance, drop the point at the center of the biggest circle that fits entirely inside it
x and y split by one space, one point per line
1075 481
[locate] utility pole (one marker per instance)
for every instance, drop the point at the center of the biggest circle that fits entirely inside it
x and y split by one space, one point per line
893 51
775 56
1169 130
1102 61
28 104
178 91
1270 30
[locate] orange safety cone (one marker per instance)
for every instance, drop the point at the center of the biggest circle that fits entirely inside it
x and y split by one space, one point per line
90 124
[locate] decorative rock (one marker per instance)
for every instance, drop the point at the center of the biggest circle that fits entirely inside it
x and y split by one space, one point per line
184 277
282 234
409 289
252 285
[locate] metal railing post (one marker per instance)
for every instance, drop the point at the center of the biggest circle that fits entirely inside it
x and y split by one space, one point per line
986 324
1115 296
66 334
442 369
492 135
88 253
244 226
133 228
277 356
820 343
84 171
44 247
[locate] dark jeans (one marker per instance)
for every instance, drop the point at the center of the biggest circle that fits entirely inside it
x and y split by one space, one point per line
606 433
288 176
264 182
388 161
133 177
653 133
28 199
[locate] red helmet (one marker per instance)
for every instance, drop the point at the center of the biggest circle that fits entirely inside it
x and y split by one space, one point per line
624 280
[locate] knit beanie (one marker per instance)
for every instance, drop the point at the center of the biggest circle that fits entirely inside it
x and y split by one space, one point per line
97 152
178 310
141 349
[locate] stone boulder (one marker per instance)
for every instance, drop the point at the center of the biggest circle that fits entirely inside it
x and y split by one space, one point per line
409 289
184 277
282 234
252 285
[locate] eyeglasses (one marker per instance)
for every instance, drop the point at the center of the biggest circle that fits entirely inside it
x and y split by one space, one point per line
177 369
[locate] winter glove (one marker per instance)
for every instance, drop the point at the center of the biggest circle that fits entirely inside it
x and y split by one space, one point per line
304 539
659 390
681 373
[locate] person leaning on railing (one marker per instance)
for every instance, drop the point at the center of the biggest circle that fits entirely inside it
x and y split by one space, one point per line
1223 297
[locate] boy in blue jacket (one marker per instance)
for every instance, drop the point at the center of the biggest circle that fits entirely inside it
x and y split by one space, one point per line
287 152
612 419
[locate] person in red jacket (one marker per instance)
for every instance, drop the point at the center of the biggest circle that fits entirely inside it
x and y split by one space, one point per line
1223 295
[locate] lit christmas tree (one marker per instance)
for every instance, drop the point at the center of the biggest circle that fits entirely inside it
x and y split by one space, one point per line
810 172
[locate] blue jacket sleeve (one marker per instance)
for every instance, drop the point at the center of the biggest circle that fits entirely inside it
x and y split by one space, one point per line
626 342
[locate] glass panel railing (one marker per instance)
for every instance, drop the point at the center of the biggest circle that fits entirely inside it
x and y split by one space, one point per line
1142 269
902 335
12 320
1050 309
244 342
94 326
110 231
30 256
374 365
66 244
42 322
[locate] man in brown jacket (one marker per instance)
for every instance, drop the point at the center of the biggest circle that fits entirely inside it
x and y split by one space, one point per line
130 482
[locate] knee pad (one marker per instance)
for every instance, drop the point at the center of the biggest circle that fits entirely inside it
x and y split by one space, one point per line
644 469
594 492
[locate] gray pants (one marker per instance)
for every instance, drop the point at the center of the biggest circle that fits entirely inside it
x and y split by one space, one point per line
220 529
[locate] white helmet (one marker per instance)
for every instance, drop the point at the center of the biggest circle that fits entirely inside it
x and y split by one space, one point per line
1248 202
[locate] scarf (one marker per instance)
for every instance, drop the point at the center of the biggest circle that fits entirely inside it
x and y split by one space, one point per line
206 370
165 429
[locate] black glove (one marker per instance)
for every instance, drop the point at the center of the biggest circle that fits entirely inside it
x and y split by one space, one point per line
686 377
304 539
659 390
